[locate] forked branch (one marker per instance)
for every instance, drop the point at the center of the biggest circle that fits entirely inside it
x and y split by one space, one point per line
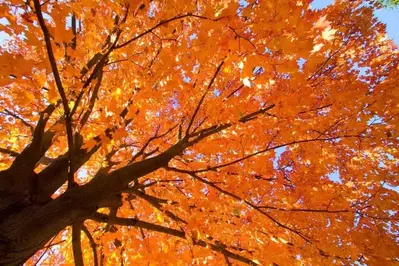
203 97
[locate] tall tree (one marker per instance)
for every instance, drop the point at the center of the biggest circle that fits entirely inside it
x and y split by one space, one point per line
197 132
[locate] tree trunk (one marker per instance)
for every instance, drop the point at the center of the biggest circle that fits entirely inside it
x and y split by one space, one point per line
24 231
25 227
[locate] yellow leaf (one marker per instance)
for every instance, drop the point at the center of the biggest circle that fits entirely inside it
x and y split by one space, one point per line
328 34
159 217
322 23
246 82
71 104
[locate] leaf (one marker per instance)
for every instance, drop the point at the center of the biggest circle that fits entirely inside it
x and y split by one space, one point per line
159 216
52 93
59 127
328 34
246 81
322 23
90 144
29 96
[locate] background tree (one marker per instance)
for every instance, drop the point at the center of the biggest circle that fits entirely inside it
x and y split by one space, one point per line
389 3
202 132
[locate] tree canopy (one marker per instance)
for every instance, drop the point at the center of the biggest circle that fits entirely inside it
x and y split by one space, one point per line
153 132
389 3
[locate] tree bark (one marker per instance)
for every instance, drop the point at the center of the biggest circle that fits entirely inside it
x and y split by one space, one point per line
26 229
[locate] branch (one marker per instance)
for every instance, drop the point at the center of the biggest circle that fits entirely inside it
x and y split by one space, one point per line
102 218
203 97
102 61
327 59
53 176
256 74
8 112
358 212
97 73
74 32
119 179
253 115
157 182
162 22
47 248
213 168
156 202
61 91
76 245
51 54
302 210
9 152
92 244
316 109
44 160
156 136
245 38
206 132
26 161
93 99
98 56
211 184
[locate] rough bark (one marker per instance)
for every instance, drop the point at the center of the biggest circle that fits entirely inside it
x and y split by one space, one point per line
28 226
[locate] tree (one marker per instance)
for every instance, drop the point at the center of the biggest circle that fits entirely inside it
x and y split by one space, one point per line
202 132
389 3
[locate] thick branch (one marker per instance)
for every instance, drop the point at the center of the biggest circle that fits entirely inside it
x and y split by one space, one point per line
44 160
76 245
20 176
92 244
99 217
54 175
9 152
119 179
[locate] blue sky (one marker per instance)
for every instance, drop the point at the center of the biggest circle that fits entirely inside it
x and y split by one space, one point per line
389 16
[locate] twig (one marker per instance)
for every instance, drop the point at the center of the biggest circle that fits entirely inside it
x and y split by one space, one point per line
202 98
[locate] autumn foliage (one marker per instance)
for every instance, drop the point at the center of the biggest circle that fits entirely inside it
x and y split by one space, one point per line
197 133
